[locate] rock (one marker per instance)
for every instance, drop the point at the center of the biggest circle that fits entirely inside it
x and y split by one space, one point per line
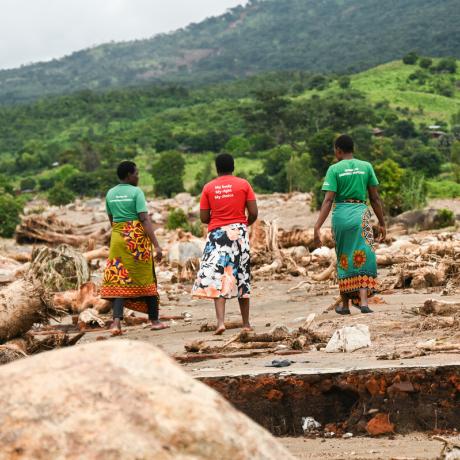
120 400
380 424
349 338
183 251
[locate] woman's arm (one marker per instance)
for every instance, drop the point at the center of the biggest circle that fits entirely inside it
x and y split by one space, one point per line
148 227
205 216
324 212
253 211
111 219
376 204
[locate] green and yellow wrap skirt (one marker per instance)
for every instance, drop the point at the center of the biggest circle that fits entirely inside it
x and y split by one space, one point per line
130 270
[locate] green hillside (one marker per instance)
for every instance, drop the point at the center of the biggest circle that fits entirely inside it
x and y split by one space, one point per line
424 98
322 36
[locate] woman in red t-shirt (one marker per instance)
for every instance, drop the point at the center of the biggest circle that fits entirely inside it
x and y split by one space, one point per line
225 266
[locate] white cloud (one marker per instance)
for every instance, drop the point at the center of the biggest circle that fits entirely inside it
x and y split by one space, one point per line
36 30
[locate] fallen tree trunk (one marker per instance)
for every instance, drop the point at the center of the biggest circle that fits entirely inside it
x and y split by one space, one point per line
29 300
206 327
439 307
326 274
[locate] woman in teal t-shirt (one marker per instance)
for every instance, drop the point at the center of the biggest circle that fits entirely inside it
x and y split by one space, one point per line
129 276
347 185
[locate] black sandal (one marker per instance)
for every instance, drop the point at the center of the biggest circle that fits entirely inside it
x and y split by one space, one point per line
365 309
342 310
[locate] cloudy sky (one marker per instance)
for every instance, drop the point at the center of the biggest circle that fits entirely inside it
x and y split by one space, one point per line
37 30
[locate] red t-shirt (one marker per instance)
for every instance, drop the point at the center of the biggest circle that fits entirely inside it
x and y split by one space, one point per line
226 197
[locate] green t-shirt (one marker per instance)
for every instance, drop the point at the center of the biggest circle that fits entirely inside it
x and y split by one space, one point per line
124 202
350 180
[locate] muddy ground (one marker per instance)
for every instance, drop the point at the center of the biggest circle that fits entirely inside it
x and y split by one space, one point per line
392 328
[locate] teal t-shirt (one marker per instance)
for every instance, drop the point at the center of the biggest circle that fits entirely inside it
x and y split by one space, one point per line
124 202
349 179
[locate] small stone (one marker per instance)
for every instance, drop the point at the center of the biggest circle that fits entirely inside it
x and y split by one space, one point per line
347 435
380 424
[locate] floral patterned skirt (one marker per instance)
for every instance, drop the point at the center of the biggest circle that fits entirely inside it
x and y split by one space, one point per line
225 265
355 249
130 271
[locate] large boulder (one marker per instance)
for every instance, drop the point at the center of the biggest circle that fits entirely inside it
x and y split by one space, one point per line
120 400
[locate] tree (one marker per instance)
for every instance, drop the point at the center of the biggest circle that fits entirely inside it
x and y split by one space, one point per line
10 210
238 146
168 173
299 173
202 178
425 62
390 176
410 58
321 150
427 162
455 159
59 195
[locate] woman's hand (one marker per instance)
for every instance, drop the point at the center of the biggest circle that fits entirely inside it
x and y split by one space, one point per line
158 254
382 233
317 238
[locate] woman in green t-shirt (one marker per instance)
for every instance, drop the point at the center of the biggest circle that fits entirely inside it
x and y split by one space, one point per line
347 185
129 276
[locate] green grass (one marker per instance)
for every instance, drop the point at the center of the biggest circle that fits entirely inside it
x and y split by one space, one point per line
443 189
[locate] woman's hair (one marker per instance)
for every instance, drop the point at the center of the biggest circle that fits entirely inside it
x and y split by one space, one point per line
125 168
225 163
345 143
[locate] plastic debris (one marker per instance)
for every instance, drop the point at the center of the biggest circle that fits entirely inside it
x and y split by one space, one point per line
348 339
309 424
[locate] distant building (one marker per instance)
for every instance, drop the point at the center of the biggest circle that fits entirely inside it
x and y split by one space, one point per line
377 132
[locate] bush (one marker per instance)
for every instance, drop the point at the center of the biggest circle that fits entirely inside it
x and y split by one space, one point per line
425 63
168 173
446 65
410 58
444 218
59 195
177 219
6 185
344 82
10 210
45 183
28 183
413 191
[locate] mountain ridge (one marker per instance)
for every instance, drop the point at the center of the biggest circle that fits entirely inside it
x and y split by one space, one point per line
324 36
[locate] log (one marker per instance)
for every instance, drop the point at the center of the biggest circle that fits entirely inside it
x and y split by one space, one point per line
439 307
29 300
76 301
326 274
120 399
206 327
246 337
195 358
101 253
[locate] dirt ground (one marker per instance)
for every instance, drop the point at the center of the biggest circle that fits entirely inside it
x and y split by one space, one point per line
392 329
415 446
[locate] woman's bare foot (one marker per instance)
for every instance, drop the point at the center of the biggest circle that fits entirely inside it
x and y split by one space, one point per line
220 330
247 328
158 326
115 328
